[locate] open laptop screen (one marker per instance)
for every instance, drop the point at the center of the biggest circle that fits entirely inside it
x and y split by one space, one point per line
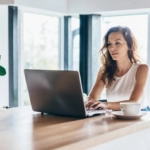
55 92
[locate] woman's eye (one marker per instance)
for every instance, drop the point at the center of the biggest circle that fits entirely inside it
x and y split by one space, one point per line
117 43
108 44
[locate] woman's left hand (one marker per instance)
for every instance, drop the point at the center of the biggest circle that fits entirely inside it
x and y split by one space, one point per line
95 104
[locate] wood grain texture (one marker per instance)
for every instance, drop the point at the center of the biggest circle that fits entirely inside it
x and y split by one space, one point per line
21 128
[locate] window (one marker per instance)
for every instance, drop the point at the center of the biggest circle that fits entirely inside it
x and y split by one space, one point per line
40 45
75 42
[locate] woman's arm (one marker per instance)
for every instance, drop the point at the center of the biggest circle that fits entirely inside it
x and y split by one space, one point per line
141 79
97 88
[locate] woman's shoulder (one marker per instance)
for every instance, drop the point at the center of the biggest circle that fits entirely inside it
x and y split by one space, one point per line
142 69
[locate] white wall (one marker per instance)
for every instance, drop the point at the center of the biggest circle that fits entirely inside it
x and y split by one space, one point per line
59 6
6 1
52 5
4 54
81 6
87 6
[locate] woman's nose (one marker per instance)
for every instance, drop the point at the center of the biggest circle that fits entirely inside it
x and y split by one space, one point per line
112 47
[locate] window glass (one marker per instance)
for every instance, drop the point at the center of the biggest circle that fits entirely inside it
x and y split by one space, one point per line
76 53
75 42
40 45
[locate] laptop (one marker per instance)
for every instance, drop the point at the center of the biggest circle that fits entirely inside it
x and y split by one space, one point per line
57 92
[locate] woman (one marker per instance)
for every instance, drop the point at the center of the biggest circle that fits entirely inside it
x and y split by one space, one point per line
121 72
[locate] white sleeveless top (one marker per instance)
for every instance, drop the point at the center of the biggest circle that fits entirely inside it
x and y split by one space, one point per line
122 87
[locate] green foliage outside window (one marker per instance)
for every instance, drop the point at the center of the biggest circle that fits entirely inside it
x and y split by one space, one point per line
2 70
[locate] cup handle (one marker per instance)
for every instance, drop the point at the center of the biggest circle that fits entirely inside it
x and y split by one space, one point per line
122 109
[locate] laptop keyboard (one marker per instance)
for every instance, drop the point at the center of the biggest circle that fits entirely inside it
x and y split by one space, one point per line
91 112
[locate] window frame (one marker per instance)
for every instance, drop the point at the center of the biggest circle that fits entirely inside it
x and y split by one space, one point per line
21 11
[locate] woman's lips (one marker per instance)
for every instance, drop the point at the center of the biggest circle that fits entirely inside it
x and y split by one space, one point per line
114 54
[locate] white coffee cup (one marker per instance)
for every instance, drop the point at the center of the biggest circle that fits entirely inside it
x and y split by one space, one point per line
130 108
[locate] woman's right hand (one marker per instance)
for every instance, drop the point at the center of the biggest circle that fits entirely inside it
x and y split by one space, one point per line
95 104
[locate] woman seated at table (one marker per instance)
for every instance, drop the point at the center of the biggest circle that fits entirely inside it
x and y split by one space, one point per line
124 77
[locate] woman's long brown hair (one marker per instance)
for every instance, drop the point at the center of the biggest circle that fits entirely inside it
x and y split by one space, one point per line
109 66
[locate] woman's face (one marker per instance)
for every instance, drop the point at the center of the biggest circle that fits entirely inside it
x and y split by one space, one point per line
117 46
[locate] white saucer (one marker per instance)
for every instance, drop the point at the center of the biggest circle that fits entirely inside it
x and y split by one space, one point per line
120 115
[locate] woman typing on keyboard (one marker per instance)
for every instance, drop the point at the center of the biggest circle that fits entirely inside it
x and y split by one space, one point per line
121 73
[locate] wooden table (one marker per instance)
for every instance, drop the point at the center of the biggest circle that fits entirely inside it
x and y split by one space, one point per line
23 129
